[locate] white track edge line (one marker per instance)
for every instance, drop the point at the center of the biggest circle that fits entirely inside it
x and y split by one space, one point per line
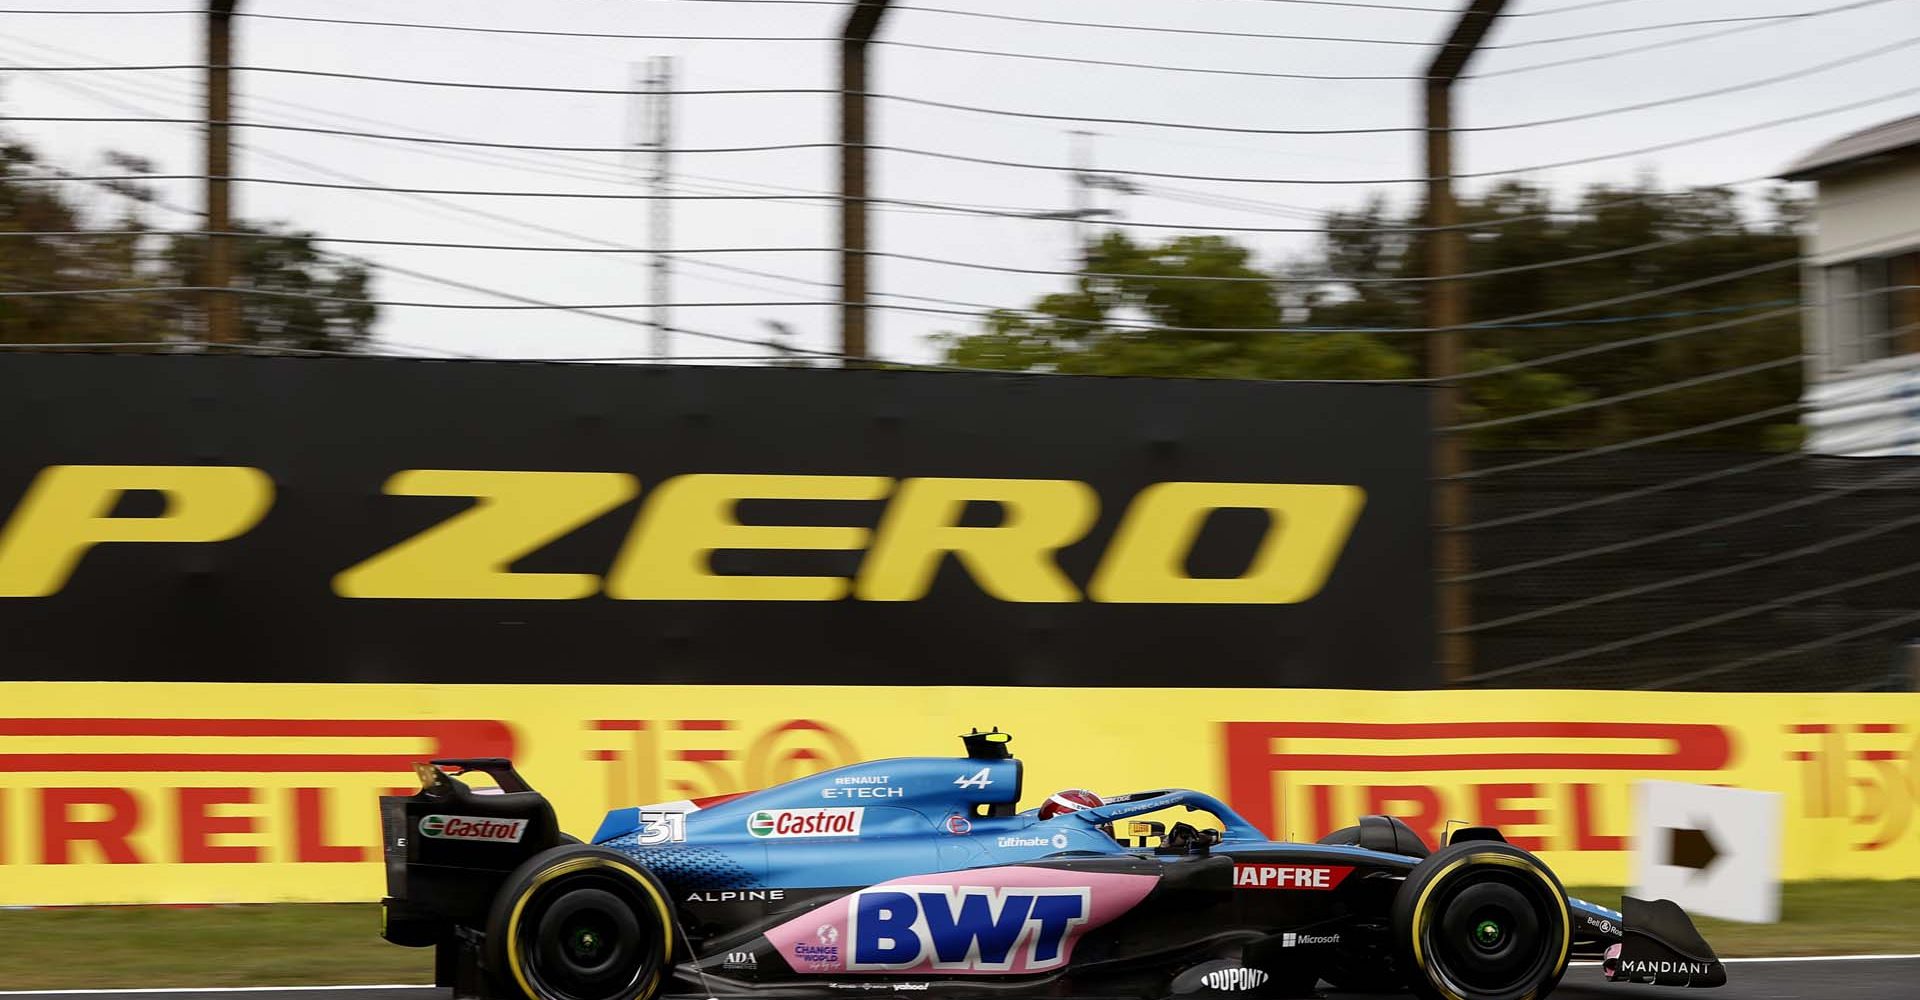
217 989
1587 963
417 986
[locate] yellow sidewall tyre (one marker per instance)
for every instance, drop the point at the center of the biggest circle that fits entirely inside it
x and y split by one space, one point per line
1482 920
579 922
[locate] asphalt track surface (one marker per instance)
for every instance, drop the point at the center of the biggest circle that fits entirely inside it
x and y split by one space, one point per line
1890 978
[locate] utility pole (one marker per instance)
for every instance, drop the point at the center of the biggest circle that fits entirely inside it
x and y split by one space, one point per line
862 22
222 312
1080 157
1446 313
660 230
1086 180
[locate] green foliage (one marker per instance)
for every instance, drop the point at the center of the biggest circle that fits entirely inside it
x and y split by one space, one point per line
1148 310
122 252
1145 309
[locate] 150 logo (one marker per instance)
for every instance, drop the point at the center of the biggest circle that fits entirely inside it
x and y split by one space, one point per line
682 521
661 760
1867 773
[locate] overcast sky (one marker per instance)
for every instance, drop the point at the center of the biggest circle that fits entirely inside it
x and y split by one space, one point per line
1766 49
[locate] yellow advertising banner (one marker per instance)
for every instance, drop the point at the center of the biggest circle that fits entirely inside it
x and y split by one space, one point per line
179 792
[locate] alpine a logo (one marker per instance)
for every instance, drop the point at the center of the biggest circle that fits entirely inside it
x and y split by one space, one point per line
499 831
1290 876
776 824
965 928
1234 980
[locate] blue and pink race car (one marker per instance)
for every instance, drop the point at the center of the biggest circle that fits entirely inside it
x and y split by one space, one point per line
922 876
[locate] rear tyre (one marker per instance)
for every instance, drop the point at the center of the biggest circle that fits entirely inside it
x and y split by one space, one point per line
580 923
1481 920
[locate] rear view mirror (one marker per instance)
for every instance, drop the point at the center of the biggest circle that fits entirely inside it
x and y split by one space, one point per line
1145 833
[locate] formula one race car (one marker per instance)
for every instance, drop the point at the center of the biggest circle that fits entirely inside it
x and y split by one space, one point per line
918 876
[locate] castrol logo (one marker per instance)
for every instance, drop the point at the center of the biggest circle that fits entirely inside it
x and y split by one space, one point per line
777 823
499 831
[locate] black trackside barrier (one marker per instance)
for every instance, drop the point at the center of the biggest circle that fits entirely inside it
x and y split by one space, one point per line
217 518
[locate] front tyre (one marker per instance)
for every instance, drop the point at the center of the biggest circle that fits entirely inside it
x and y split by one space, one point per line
580 923
1482 920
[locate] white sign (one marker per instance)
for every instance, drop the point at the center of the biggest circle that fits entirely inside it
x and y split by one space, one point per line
1715 851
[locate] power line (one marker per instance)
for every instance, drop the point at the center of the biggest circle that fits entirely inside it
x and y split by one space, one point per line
1696 625
412 81
1806 647
424 140
466 192
1160 29
523 299
399 303
464 28
1633 494
1668 43
1515 14
518 162
1624 397
1120 64
613 248
1639 442
905 205
1844 61
1482 325
1746 24
1638 28
826 197
1692 578
1304 3
1703 527
1371 181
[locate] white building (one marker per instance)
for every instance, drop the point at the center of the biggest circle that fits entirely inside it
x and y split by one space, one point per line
1863 288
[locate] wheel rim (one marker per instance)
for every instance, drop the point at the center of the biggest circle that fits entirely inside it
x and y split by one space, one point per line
1493 933
587 936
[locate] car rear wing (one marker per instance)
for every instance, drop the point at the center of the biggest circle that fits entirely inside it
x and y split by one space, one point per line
449 847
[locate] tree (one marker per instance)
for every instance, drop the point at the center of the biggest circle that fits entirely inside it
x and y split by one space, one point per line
123 252
1149 310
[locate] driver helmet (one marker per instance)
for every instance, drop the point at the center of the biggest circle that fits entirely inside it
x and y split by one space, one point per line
1073 800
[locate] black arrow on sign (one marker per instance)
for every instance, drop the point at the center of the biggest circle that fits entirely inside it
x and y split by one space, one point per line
1690 848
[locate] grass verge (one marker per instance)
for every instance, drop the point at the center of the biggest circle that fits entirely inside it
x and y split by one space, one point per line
256 945
339 943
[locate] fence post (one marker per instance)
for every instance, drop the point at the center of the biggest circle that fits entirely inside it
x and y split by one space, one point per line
861 24
222 314
1446 312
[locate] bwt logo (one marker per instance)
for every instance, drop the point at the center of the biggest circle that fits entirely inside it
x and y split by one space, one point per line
970 928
